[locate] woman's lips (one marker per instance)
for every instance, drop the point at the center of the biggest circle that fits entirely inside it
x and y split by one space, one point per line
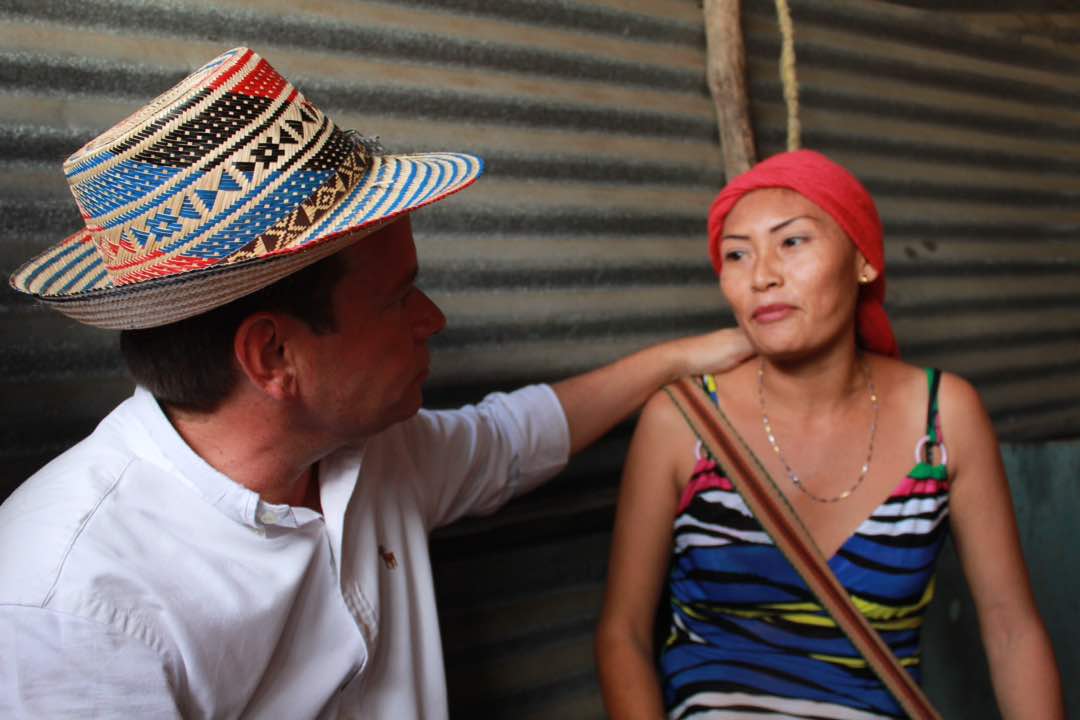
772 313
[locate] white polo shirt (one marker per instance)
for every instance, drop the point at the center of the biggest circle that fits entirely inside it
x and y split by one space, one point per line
137 581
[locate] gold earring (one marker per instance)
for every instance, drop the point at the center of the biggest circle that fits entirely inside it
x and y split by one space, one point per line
863 279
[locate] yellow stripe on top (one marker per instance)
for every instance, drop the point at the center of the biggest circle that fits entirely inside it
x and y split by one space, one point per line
876 611
858 662
881 617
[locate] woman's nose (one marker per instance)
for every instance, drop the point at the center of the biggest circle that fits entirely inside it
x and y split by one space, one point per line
766 272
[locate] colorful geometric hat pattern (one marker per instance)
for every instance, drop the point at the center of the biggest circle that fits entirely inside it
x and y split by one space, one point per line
218 187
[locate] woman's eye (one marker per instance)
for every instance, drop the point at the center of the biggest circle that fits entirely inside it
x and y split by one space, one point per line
733 255
794 240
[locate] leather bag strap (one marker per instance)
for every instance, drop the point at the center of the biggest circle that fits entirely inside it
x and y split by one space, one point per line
776 515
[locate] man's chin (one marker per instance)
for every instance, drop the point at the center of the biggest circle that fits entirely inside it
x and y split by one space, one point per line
410 405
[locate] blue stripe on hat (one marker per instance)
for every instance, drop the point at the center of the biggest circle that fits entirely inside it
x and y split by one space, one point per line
79 276
180 187
89 164
128 182
400 202
420 186
247 227
87 252
97 278
73 247
439 183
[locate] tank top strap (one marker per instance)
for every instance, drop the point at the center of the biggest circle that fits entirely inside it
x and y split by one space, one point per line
933 420
708 382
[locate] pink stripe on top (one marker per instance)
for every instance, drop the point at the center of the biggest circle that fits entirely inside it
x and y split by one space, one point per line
910 486
703 478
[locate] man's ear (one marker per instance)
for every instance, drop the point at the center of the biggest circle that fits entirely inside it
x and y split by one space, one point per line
261 351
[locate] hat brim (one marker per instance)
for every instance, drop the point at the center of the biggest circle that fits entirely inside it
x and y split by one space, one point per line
394 185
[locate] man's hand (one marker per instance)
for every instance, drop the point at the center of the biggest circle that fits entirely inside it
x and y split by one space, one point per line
595 401
713 352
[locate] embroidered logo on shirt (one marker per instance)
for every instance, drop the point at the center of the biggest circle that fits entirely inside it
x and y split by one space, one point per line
388 558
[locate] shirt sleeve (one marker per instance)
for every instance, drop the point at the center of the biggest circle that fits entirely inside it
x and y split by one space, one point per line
56 665
472 460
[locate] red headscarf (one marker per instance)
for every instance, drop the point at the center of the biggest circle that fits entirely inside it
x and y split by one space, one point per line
839 193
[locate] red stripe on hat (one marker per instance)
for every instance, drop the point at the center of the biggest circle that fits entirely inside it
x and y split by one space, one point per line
237 63
262 81
122 267
173 266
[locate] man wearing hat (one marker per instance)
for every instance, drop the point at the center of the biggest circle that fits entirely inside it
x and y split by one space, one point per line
247 534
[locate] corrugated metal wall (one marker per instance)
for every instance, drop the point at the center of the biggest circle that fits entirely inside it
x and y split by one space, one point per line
585 240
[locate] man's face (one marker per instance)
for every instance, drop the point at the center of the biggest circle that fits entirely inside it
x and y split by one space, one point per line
366 375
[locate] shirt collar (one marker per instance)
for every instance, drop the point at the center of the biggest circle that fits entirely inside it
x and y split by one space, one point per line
227 496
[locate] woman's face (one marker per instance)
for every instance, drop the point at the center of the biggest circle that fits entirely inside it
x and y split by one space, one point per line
790 273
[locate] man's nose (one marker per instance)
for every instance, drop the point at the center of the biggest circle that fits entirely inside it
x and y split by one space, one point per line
431 319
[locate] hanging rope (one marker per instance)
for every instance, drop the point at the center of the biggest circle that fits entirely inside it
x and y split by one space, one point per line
788 79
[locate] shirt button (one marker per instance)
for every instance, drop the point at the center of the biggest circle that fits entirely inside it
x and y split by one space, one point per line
268 518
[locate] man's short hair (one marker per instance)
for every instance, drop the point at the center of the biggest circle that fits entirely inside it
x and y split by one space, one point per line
189 364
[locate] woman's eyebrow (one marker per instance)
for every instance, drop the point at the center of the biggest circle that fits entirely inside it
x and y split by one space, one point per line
774 228
781 226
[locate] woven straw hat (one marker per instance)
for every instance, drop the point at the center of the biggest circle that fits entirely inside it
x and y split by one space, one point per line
224 184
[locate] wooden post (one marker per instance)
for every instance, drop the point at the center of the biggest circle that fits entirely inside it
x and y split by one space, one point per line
726 74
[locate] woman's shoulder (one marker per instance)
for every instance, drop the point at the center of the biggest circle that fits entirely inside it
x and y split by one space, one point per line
952 390
962 408
659 409
889 371
736 378
663 436
964 418
892 373
662 424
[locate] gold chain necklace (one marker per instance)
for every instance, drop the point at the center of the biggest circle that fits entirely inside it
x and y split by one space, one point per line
776 447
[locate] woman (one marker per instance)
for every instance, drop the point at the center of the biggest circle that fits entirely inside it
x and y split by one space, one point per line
835 417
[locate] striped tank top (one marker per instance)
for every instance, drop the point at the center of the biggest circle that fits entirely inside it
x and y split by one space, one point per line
748 638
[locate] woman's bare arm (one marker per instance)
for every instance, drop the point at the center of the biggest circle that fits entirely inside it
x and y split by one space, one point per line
1025 676
640 552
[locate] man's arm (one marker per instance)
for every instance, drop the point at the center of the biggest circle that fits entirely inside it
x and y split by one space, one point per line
595 401
474 459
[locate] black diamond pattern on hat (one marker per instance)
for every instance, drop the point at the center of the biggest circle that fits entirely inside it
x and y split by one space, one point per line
267 152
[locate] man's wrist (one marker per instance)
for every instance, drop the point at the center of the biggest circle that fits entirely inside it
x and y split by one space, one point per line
676 361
